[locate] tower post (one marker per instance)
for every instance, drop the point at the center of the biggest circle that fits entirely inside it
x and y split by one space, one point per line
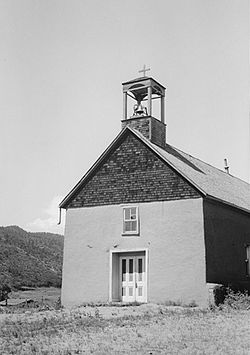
125 105
150 100
163 109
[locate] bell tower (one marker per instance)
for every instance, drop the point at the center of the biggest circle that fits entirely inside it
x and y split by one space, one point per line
145 90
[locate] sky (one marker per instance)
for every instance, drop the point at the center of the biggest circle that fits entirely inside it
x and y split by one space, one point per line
62 64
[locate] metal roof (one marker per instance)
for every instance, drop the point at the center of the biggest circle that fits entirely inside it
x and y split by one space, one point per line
143 78
214 182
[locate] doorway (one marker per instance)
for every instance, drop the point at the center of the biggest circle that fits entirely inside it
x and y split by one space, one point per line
128 276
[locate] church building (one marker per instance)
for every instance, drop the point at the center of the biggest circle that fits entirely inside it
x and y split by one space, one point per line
150 223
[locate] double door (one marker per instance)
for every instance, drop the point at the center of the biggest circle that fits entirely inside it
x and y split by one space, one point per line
133 279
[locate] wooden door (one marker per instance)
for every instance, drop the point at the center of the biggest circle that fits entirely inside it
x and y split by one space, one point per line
140 279
133 278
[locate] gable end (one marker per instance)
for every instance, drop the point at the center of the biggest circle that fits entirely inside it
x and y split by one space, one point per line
131 173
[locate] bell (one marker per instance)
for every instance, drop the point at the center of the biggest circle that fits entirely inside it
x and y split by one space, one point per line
139 110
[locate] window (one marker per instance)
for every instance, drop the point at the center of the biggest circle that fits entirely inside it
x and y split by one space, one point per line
248 260
130 220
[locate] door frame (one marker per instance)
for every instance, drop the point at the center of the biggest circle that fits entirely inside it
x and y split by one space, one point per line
119 251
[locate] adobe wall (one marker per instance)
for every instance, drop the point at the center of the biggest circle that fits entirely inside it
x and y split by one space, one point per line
227 230
171 230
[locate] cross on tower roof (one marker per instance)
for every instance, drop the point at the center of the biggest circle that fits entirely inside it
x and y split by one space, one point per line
144 70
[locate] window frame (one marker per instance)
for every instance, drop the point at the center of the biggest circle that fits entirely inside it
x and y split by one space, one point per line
133 232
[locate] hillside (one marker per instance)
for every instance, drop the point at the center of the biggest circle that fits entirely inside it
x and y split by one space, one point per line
30 259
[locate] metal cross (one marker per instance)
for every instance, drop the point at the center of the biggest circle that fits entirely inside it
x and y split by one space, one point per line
144 70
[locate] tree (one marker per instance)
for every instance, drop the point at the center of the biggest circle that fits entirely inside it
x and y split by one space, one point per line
4 292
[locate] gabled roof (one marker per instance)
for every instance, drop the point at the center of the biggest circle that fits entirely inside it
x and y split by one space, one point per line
210 181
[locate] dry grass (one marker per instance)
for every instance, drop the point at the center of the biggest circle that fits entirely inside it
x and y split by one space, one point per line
42 295
146 329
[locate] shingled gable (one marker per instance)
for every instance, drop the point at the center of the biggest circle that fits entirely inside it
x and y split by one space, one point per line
186 189
209 181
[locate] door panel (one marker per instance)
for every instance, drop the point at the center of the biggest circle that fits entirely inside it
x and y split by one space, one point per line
127 279
140 279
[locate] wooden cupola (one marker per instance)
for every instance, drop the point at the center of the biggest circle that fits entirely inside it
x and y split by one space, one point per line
151 124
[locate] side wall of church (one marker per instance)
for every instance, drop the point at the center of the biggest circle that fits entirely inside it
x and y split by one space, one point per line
227 232
172 231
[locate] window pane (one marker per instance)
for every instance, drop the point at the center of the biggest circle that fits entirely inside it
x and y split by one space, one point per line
128 226
130 291
140 266
133 226
127 213
131 269
131 266
123 269
133 211
140 269
123 291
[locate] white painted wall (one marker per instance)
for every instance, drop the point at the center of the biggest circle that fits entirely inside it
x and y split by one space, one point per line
173 233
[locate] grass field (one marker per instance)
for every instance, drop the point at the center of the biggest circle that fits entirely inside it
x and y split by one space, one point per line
46 295
145 329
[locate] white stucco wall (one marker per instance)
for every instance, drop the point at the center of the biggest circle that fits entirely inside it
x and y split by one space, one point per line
173 233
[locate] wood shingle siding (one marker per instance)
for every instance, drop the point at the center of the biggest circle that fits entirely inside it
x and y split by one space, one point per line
132 173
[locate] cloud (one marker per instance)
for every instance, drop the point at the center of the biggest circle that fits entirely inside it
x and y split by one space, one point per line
49 222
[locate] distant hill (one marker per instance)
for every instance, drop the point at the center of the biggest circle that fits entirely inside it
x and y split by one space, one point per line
30 259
